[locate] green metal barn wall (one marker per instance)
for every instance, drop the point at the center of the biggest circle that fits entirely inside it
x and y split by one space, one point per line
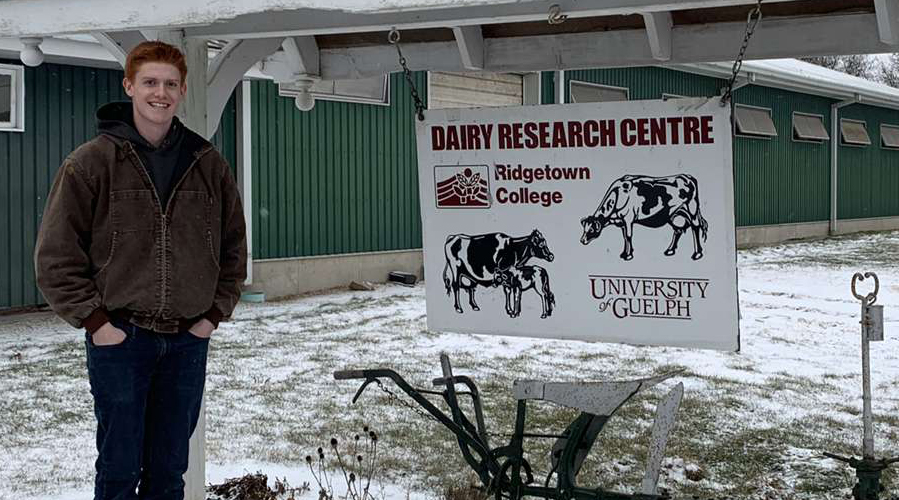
338 179
60 102
776 180
647 82
779 180
868 179
225 138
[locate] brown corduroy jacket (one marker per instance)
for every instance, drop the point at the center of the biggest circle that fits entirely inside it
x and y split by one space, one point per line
107 247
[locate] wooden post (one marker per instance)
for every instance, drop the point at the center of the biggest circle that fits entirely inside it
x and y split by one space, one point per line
192 113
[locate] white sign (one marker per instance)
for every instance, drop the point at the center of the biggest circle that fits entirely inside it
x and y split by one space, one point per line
604 222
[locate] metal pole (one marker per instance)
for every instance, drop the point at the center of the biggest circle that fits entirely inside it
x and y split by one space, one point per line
868 439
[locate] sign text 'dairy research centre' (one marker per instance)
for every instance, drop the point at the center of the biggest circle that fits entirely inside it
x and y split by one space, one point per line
607 221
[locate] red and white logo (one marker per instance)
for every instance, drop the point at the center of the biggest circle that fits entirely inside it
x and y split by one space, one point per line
462 186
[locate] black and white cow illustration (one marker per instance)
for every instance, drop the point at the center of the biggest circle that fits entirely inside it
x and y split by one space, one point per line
521 279
475 260
651 202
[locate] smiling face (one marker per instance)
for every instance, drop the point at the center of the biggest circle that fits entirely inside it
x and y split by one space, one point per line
156 91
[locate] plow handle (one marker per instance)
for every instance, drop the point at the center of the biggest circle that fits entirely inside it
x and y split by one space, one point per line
370 376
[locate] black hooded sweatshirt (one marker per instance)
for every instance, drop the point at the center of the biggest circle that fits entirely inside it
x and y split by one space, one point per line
165 164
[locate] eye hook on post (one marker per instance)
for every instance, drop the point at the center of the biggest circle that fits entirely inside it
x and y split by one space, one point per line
871 297
555 15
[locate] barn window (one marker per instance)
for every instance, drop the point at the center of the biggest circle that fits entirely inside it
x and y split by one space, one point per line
12 98
366 91
475 90
754 122
808 127
592 92
854 132
889 136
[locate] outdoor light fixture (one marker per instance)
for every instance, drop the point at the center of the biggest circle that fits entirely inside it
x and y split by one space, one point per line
304 101
31 54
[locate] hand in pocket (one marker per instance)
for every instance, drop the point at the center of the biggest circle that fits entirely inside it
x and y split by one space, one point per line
202 329
108 335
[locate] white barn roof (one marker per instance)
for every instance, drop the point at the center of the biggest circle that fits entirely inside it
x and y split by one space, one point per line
793 74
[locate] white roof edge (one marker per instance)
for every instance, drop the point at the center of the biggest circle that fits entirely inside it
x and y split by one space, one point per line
789 74
800 76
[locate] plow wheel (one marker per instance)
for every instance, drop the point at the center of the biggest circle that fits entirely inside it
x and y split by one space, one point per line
511 488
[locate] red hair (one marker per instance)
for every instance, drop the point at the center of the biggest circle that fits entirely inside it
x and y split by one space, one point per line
154 51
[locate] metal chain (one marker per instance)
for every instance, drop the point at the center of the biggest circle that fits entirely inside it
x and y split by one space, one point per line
394 38
393 397
752 20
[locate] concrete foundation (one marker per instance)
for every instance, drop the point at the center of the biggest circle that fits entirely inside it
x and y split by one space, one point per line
284 277
765 235
873 224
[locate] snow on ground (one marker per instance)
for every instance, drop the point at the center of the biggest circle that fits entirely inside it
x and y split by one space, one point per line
752 424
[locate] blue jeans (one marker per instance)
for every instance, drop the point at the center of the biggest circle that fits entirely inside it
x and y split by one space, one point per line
147 394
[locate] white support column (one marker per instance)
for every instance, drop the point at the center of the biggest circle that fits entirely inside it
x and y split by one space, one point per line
559 77
245 161
471 46
658 30
193 113
887 20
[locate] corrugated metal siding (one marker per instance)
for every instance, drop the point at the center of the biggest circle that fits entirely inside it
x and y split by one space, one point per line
60 102
547 87
779 180
340 178
647 82
225 138
868 179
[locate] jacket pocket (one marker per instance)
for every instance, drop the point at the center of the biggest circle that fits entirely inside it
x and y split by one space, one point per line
195 267
132 210
128 277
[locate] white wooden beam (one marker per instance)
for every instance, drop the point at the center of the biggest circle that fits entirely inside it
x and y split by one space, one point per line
775 38
264 19
302 51
227 69
888 20
658 30
471 46
119 43
64 51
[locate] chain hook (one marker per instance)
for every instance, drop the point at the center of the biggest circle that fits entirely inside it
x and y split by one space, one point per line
752 21
871 297
394 38
555 15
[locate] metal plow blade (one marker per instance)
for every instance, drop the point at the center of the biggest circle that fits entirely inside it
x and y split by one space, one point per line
661 428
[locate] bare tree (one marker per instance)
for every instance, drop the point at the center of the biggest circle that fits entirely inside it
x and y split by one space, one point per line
888 71
859 65
829 62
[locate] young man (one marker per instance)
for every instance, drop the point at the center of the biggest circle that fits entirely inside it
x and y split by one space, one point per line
143 245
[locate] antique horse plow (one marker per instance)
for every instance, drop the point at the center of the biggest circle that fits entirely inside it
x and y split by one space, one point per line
503 471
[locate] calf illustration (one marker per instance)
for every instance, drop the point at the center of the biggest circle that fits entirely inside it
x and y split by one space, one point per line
651 202
475 260
521 279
